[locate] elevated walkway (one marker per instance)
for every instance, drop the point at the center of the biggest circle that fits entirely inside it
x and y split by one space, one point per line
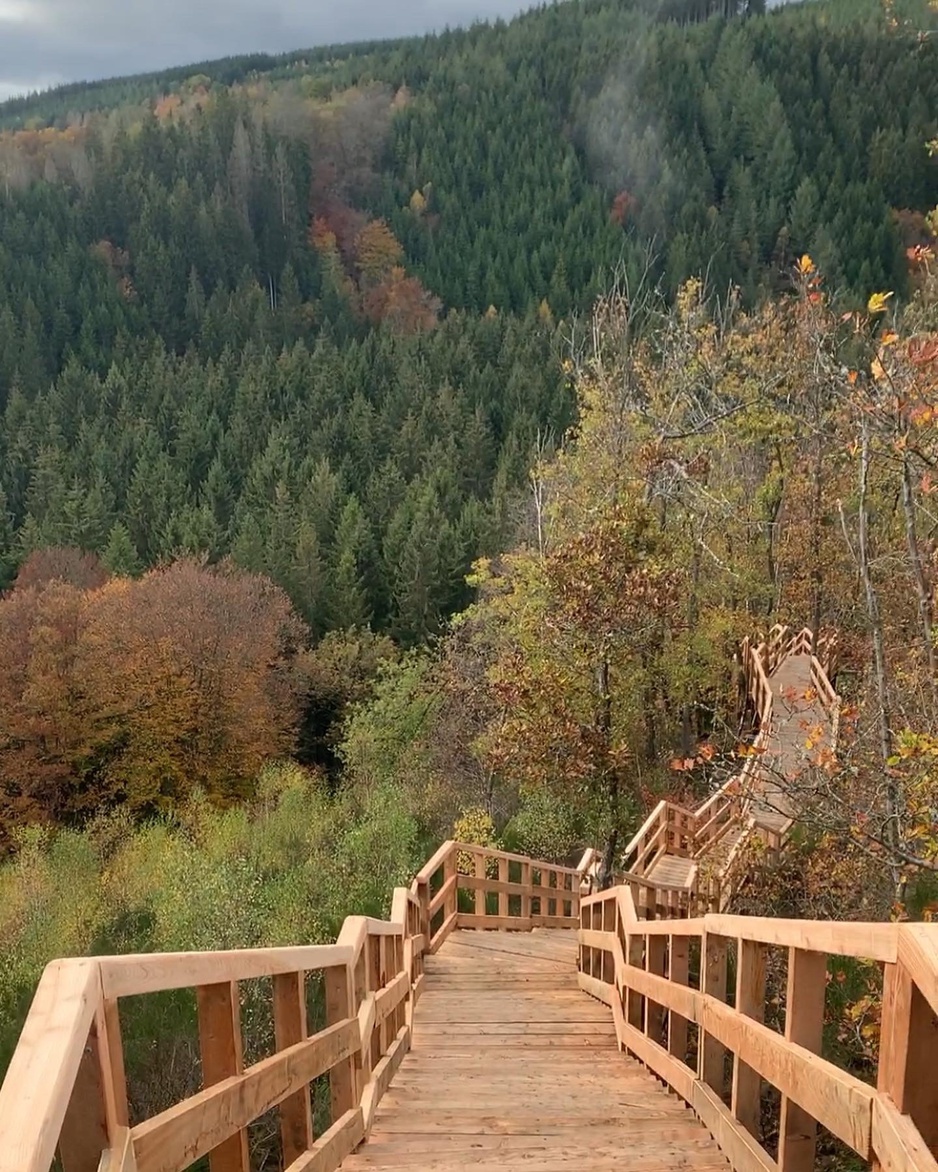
512 1067
506 1016
700 856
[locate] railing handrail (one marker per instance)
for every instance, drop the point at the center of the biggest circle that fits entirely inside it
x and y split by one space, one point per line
373 974
639 968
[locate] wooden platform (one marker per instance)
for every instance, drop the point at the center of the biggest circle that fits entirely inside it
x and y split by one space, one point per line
512 1066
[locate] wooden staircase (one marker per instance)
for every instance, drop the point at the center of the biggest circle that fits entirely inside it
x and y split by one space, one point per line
698 857
506 1016
511 1067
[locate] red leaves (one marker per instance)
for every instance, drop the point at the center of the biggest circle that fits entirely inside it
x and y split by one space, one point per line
402 302
624 207
923 351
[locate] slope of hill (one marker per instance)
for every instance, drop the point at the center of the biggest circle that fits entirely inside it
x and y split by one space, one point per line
305 310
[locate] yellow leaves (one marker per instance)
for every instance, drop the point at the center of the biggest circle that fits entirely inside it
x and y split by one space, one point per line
806 266
877 370
889 338
878 303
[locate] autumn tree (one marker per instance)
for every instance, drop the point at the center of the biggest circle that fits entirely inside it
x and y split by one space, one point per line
137 692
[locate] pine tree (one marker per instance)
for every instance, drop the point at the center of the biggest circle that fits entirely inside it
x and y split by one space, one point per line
120 557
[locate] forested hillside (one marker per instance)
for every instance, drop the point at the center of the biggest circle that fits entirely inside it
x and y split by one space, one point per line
306 311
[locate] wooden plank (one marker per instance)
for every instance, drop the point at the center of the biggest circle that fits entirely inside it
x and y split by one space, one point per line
444 894
595 988
678 1076
296 1123
713 963
433 864
126 976
111 1047
222 1059
840 1102
678 976
501 888
869 941
909 1044
384 1072
345 1076
655 961
84 1130
38 1086
328 1152
897 1143
445 928
750 1000
477 885
211 1120
690 927
740 1148
804 1025
497 923
918 953
388 998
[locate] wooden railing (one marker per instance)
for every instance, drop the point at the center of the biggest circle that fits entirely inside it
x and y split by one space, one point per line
66 1090
675 830
499 891
674 1008
669 829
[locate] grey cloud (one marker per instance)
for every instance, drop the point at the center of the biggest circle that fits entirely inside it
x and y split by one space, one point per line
45 42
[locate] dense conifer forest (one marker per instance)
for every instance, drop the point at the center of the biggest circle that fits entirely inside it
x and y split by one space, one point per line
361 408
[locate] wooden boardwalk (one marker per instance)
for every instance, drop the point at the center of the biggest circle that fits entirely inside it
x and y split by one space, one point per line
506 1016
512 1066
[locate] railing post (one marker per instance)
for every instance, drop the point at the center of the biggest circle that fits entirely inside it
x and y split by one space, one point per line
220 1044
713 964
296 1124
678 967
479 900
84 1130
655 955
343 1002
804 1025
750 1000
635 1009
907 1053
503 895
451 902
372 1045
528 891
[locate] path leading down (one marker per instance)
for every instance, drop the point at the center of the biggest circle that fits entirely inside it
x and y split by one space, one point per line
513 1067
796 712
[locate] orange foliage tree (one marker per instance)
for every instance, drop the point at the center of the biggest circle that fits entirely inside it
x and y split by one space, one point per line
139 691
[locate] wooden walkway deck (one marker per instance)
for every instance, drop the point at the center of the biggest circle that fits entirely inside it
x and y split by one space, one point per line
512 1067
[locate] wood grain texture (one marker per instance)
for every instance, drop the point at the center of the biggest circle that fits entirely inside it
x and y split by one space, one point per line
508 1075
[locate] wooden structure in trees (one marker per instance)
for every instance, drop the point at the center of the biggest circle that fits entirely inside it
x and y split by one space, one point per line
703 854
502 1016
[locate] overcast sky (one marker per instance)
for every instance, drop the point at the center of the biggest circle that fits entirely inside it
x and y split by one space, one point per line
46 42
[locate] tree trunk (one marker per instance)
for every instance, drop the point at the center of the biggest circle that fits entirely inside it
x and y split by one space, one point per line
918 572
817 574
879 661
604 720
